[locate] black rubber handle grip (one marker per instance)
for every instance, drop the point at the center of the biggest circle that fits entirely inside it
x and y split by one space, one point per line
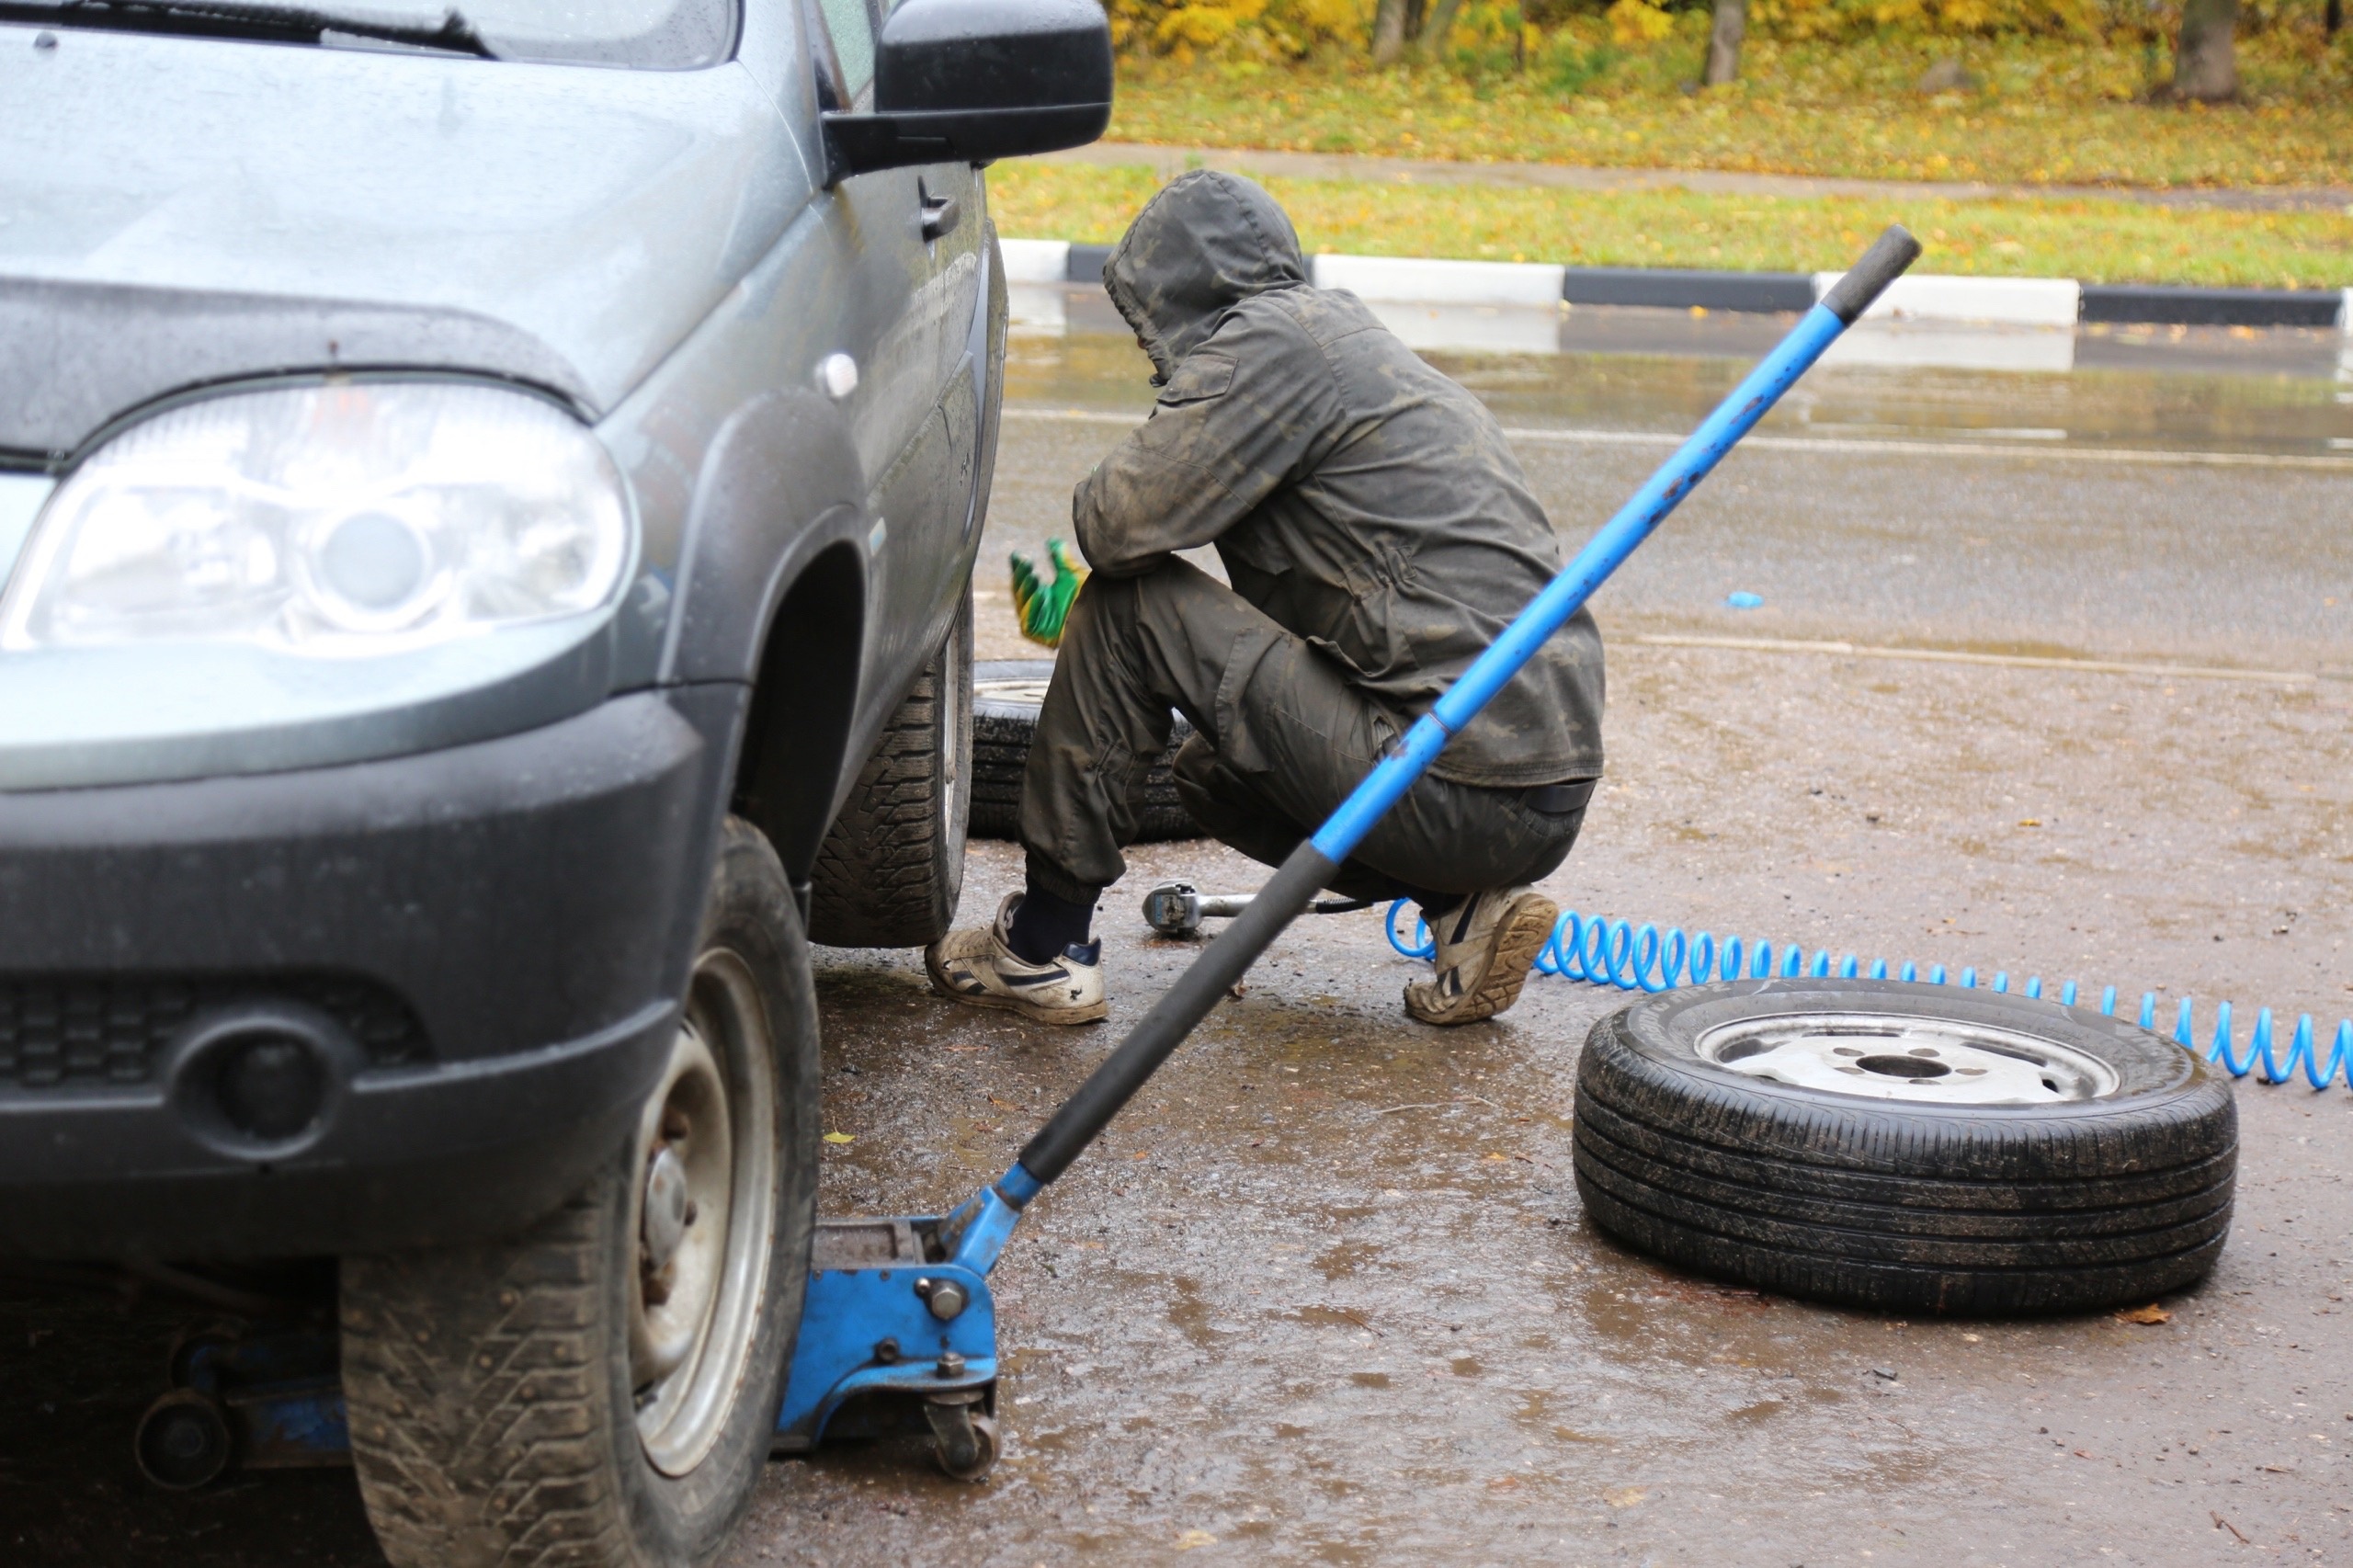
1889 256
1161 1029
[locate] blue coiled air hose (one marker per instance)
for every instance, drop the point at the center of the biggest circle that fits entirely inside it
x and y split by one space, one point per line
1639 958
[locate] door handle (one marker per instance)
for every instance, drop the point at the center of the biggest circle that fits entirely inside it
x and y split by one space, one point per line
940 215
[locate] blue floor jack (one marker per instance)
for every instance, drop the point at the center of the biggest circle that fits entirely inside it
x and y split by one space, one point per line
899 1330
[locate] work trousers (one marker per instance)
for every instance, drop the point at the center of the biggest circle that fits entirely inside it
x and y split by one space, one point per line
1280 739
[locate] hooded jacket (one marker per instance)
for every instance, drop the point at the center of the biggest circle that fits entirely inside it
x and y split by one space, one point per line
1362 500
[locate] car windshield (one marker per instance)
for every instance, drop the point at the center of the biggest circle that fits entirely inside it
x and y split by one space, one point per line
650 35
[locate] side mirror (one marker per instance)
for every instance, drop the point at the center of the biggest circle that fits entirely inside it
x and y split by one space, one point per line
971 80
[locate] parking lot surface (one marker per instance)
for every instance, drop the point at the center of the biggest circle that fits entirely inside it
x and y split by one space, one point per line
1325 1294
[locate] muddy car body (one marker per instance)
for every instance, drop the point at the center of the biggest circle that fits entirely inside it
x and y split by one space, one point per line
449 469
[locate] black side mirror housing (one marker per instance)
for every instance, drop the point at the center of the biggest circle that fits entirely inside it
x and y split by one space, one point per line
971 80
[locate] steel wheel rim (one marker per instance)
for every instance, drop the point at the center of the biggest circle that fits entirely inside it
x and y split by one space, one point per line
1915 1059
698 1285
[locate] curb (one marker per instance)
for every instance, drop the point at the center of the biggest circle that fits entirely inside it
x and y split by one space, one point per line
1673 289
2011 301
2172 306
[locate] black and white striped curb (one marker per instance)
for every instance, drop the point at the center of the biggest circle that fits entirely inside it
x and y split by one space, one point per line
2009 302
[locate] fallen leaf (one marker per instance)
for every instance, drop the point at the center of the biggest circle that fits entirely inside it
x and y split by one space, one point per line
840 1138
1499 1159
2081 1455
1503 1484
2150 1313
1192 1539
1624 1498
2029 822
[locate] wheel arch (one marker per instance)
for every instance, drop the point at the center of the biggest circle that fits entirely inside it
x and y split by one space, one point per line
774 586
796 748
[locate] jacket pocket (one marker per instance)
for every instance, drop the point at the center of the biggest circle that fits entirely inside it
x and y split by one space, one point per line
1201 377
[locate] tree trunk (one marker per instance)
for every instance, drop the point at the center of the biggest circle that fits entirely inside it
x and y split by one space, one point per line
2205 61
2334 17
1724 42
1441 22
1388 31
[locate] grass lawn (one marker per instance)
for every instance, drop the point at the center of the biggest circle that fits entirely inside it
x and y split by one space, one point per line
2042 112
2101 241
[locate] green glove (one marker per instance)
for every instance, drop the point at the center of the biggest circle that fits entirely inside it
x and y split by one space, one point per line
1043 603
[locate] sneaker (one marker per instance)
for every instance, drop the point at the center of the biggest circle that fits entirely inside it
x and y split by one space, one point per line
1484 947
976 965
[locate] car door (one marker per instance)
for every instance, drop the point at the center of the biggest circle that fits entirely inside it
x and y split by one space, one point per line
891 312
956 221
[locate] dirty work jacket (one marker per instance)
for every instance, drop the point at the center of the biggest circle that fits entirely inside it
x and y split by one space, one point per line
1362 500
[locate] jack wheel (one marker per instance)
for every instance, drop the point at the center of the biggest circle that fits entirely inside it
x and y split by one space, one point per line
963 1442
182 1441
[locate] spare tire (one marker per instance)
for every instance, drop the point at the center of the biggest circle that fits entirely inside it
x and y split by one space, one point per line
1006 694
1912 1148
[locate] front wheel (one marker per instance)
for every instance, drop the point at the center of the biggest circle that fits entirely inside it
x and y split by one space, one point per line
601 1389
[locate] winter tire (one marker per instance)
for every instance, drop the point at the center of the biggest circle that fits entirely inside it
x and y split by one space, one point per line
892 866
1006 694
1910 1148
601 1390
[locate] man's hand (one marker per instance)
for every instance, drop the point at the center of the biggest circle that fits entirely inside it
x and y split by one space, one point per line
1043 603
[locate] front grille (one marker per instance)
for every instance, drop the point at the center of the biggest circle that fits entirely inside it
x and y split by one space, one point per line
82 1029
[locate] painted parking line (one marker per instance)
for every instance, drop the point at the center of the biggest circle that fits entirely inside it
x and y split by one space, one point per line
1961 656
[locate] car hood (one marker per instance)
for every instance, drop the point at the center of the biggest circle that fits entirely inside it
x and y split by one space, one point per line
176 211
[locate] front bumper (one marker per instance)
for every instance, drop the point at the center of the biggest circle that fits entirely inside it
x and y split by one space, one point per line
485 944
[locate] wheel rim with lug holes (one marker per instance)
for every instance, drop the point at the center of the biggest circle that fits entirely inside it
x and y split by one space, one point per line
702 1217
1922 1059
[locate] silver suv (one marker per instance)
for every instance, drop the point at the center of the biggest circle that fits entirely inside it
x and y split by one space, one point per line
487 505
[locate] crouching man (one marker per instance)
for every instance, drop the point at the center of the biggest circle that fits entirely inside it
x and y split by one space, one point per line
1377 534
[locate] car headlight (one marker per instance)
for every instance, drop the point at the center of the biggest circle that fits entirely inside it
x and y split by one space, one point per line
338 519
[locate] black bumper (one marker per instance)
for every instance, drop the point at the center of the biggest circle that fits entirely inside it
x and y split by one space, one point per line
477 953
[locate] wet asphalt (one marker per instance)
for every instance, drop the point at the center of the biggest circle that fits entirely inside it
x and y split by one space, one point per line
1325 1293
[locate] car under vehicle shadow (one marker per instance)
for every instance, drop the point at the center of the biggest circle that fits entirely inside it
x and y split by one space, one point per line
80 1364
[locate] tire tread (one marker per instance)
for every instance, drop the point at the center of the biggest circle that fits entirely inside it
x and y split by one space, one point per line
484 1467
888 873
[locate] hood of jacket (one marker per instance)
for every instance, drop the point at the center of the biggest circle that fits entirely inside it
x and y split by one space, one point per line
1208 242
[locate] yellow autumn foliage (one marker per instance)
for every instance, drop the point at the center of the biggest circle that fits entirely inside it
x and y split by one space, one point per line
1836 18
1273 31
1637 24
1266 29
